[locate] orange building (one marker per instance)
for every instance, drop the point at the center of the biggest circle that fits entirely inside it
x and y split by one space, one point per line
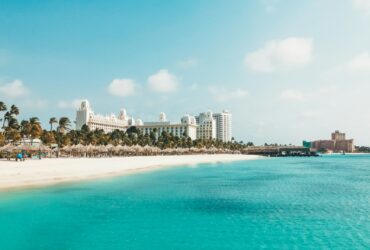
338 143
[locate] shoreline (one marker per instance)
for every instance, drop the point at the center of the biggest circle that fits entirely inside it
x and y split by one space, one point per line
51 171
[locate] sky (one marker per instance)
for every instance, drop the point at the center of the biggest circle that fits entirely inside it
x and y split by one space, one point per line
287 70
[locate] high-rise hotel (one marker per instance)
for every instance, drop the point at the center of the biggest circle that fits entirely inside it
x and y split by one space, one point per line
205 126
215 126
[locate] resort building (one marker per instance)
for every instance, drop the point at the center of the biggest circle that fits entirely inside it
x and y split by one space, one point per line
338 143
86 116
223 126
187 127
216 126
206 126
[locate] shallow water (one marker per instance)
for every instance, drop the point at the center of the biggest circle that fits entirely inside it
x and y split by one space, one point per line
287 203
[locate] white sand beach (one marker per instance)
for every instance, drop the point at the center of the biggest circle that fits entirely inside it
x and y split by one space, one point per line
33 173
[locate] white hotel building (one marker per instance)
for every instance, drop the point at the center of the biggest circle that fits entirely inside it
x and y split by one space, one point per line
215 126
224 126
205 126
86 116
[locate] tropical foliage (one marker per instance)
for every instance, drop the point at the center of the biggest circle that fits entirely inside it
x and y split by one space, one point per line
63 135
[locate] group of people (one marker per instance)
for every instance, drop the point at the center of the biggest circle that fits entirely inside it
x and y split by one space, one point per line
22 156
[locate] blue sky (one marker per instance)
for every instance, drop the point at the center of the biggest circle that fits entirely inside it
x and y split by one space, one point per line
287 70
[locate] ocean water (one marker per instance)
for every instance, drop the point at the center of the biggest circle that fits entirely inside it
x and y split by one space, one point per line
275 203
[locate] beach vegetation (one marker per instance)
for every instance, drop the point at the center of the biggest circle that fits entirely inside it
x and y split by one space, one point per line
63 136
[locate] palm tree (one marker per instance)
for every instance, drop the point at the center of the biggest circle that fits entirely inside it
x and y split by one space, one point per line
7 116
25 128
52 121
14 110
13 123
36 129
2 108
64 124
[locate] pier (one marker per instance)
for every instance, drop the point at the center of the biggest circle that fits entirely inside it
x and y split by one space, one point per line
280 151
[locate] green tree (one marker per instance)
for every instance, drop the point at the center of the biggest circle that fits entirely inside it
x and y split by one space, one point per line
47 137
64 124
52 120
3 108
36 129
25 128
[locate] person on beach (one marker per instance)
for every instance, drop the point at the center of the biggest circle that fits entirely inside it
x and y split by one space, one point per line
19 157
24 156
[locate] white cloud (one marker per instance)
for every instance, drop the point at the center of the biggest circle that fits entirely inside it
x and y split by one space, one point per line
362 4
74 104
15 88
163 81
122 87
188 63
292 95
323 93
284 54
223 95
360 63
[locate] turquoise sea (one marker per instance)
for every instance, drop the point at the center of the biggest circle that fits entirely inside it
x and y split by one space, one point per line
274 203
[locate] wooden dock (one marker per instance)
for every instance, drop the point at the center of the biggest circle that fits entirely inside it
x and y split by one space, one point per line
280 151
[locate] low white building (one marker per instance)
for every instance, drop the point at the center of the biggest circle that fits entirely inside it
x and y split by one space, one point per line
86 116
187 127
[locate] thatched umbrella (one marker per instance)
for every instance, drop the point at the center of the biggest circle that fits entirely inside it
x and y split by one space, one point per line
156 150
7 148
168 151
139 150
182 151
128 150
110 149
78 150
66 148
101 150
90 150
44 148
118 149
212 150
194 150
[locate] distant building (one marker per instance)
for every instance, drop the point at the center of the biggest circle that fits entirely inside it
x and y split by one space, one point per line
206 126
337 136
86 116
215 125
187 127
223 126
338 143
